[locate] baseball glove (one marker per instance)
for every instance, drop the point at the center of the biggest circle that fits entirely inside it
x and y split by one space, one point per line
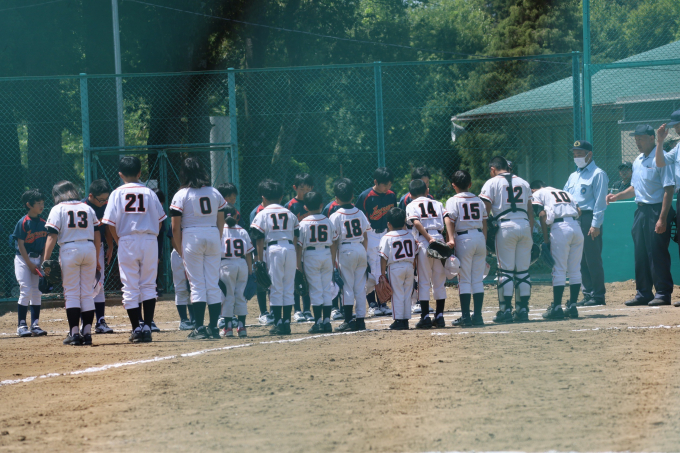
51 270
535 253
491 232
261 274
337 278
301 285
546 256
383 290
251 287
439 250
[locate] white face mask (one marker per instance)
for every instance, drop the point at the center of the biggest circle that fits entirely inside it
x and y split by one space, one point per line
580 162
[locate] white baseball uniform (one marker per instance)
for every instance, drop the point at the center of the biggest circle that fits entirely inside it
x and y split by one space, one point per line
430 213
135 212
513 240
400 248
74 222
316 237
350 225
279 227
179 280
468 213
234 270
201 245
566 237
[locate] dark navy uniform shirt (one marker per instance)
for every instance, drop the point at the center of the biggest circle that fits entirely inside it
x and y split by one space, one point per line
33 232
297 207
333 206
376 206
407 199
99 211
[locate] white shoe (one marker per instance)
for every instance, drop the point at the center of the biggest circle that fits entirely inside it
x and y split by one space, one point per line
377 311
23 331
299 317
36 331
266 319
102 327
416 308
386 311
220 323
336 314
308 316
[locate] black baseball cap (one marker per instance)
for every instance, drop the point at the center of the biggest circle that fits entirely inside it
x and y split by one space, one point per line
582 144
675 119
643 129
627 165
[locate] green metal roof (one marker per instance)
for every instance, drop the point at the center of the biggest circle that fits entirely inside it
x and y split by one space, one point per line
610 86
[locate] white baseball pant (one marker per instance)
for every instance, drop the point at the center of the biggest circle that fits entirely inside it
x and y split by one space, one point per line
179 279
513 250
566 247
138 265
281 264
101 296
352 265
430 274
400 276
318 267
28 282
373 259
234 275
471 252
78 262
202 255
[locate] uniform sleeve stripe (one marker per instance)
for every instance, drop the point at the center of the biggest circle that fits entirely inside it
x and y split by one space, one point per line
163 218
485 197
109 221
383 255
255 226
177 208
53 226
224 203
250 249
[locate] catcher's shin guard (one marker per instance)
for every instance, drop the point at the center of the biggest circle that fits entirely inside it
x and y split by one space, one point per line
504 277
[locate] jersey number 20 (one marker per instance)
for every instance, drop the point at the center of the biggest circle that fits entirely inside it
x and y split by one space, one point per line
404 249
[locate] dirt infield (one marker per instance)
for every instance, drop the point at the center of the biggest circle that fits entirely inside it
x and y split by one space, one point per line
609 381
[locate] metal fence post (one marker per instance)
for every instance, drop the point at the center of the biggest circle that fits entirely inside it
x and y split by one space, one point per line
379 117
85 120
576 79
233 140
587 86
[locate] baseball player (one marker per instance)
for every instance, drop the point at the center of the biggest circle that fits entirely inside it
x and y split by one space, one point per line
427 218
71 224
328 211
134 214
565 240
197 223
466 223
316 247
237 265
29 239
375 202
182 289
508 198
352 227
97 199
266 317
276 228
423 174
230 193
302 185
398 250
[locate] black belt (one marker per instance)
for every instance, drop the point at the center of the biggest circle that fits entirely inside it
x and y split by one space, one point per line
379 230
231 257
558 220
70 242
642 205
34 255
460 233
319 247
276 242
348 243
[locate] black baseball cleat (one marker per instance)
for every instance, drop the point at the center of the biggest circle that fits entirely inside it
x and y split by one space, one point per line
316 328
477 321
554 312
87 339
520 315
344 327
463 321
359 324
285 328
136 336
582 302
503 317
146 336
73 340
213 333
595 303
200 333
571 312
439 322
424 323
327 327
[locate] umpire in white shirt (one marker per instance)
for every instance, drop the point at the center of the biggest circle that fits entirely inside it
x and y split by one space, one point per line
653 188
588 188
672 158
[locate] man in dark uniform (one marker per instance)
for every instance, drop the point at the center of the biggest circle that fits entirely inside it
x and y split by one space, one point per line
653 188
588 188
625 173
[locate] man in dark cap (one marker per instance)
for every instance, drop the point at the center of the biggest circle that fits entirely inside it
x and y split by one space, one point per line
670 158
626 173
588 188
653 187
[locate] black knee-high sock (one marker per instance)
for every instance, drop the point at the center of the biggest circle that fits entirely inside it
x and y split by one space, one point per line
242 320
425 309
318 312
306 303
465 304
199 313
262 301
439 309
278 314
508 302
149 309
182 310
348 312
296 302
478 299
141 314
327 312
334 304
573 293
133 314
73 317
524 302
99 309
190 309
35 313
22 310
214 313
287 310
370 297
88 317
558 291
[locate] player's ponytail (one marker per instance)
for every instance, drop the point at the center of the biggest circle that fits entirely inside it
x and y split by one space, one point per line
65 191
230 216
192 174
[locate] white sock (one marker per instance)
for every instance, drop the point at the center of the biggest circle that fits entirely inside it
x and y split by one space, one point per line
75 330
